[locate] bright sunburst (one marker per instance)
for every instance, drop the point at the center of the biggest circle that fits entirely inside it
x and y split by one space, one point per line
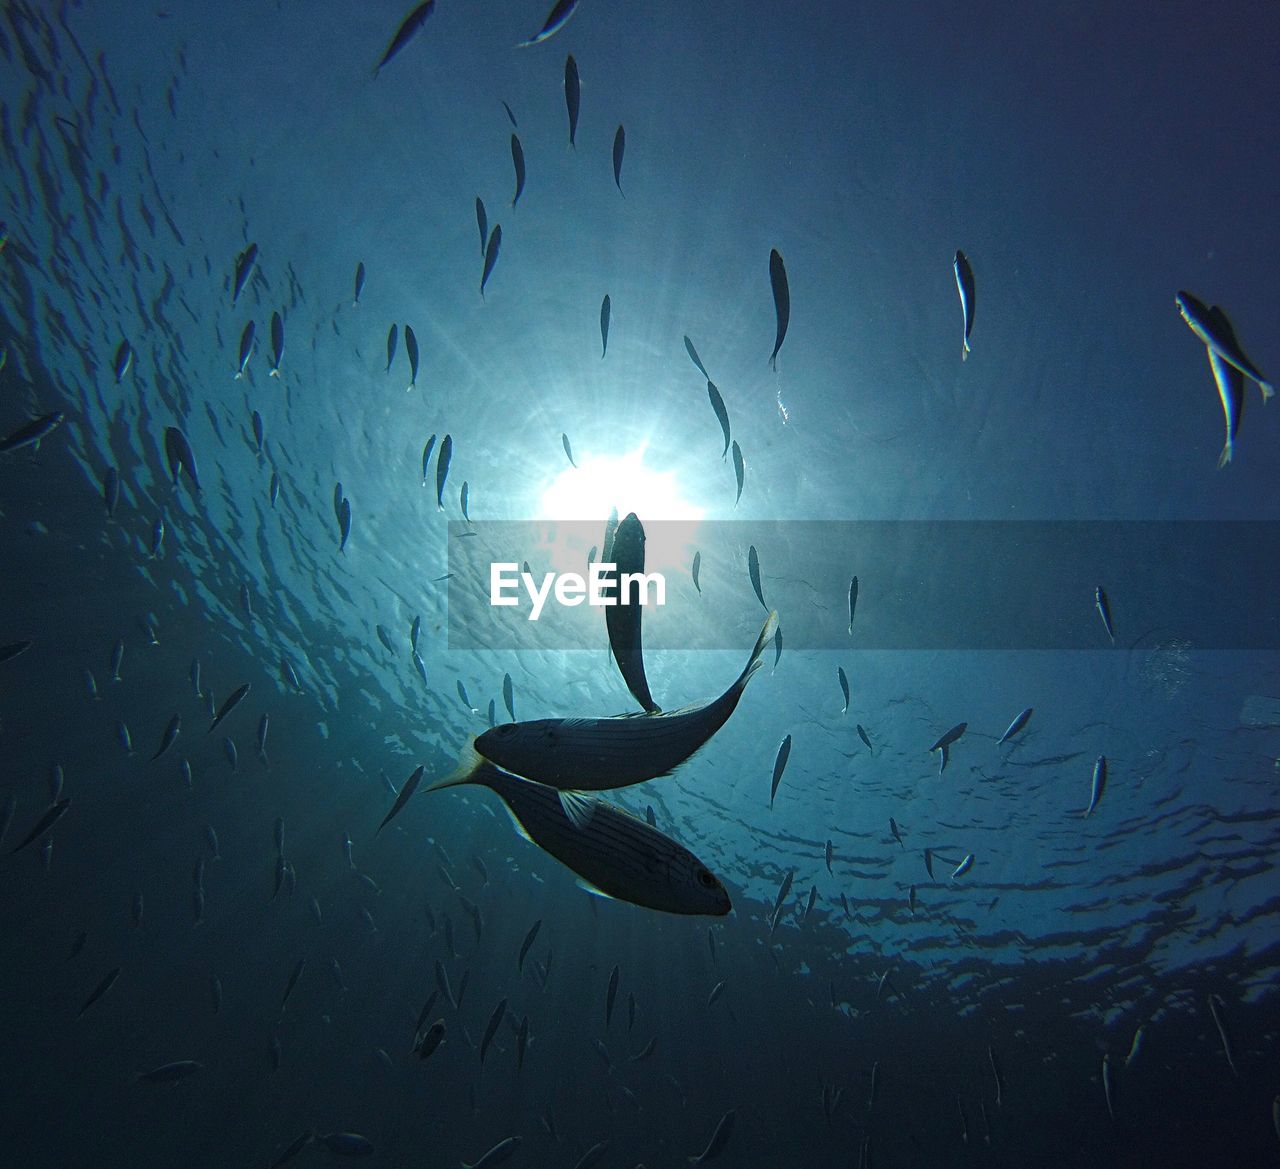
600 482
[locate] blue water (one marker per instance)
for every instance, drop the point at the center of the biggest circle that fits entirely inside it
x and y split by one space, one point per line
1090 161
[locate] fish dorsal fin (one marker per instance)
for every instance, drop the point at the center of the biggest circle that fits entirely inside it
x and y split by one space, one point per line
579 808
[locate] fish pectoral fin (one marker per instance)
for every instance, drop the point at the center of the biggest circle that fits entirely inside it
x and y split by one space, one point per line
595 891
579 808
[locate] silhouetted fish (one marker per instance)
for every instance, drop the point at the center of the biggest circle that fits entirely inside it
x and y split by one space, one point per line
517 158
619 149
553 24
409 28
781 302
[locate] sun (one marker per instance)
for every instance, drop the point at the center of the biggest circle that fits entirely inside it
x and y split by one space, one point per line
601 482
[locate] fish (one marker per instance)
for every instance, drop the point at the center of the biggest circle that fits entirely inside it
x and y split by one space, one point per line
491 1028
517 161
601 753
1230 385
572 95
1104 611
419 665
259 432
781 303
911 900
1135 1047
171 1073
1017 725
509 695
568 450
443 459
385 638
277 346
719 1138
963 867
293 981
246 349
359 285
619 149
606 308
853 600
1106 1085
411 349
1098 784
6 816
122 733
410 786
527 944
344 523
123 360
426 457
693 356
944 743
611 995
393 335
167 739
229 749
482 222
844 687
288 675
409 28
15 648
108 981
111 490
592 1155
31 433
90 682
614 853
263 723
180 456
491 256
51 816
157 535
739 469
500 1152
995 1073
779 766
431 1039
828 852
553 24
1215 1005
753 571
722 415
964 283
245 263
623 620
227 707
697 568
1214 330
294 1149
716 992
896 833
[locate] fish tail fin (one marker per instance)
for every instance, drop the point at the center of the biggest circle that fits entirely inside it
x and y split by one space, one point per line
1268 390
964 353
275 372
1227 452
469 762
754 662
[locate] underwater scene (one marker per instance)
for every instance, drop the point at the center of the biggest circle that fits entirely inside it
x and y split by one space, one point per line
639 584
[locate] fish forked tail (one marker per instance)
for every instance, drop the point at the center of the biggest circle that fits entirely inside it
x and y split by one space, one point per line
469 762
1268 391
1227 452
754 661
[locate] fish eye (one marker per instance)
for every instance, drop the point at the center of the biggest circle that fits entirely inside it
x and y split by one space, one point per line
705 879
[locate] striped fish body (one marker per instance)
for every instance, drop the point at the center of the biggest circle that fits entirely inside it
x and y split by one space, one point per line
614 853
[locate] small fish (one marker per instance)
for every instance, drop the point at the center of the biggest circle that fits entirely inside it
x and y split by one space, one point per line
409 28
1017 725
32 432
245 263
862 734
157 536
90 682
344 523
169 736
1104 611
123 360
431 1039
963 867
1098 784
719 1138
233 756
411 350
273 492
1215 1005
739 469
419 665
844 688
753 571
443 459
517 160
111 490
995 1074
828 852
781 302
491 1028
426 457
619 149
263 724
1208 325
385 638
211 841
500 1152
126 741
355 300
51 816
15 648
611 995
227 707
779 766
464 500
896 833
592 1155
606 308
171 1073
553 24
1134 1048
180 457
527 944
293 981
288 675
491 256
697 568
509 695
510 116
1106 1085
853 600
572 95
568 450
277 346
259 431
108 981
716 992
693 356
410 786
964 282
722 415
944 743
246 349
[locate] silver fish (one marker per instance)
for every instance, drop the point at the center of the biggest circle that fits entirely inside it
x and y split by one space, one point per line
844 687
411 350
123 360
1098 784
246 349
1106 1085
553 24
1017 725
1104 611
277 346
500 1152
1215 1005
719 1138
964 283
1208 325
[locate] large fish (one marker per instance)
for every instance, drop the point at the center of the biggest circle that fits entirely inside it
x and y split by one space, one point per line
722 415
623 620
964 282
517 158
553 24
572 95
619 149
615 854
606 309
1207 324
600 753
781 303
409 28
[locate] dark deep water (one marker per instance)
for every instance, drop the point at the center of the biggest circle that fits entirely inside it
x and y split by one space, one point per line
1089 160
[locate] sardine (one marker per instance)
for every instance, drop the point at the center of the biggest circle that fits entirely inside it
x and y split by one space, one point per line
739 470
1017 725
553 24
781 303
606 308
572 95
722 415
779 766
1208 325
619 149
517 160
443 459
491 256
964 283
409 28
